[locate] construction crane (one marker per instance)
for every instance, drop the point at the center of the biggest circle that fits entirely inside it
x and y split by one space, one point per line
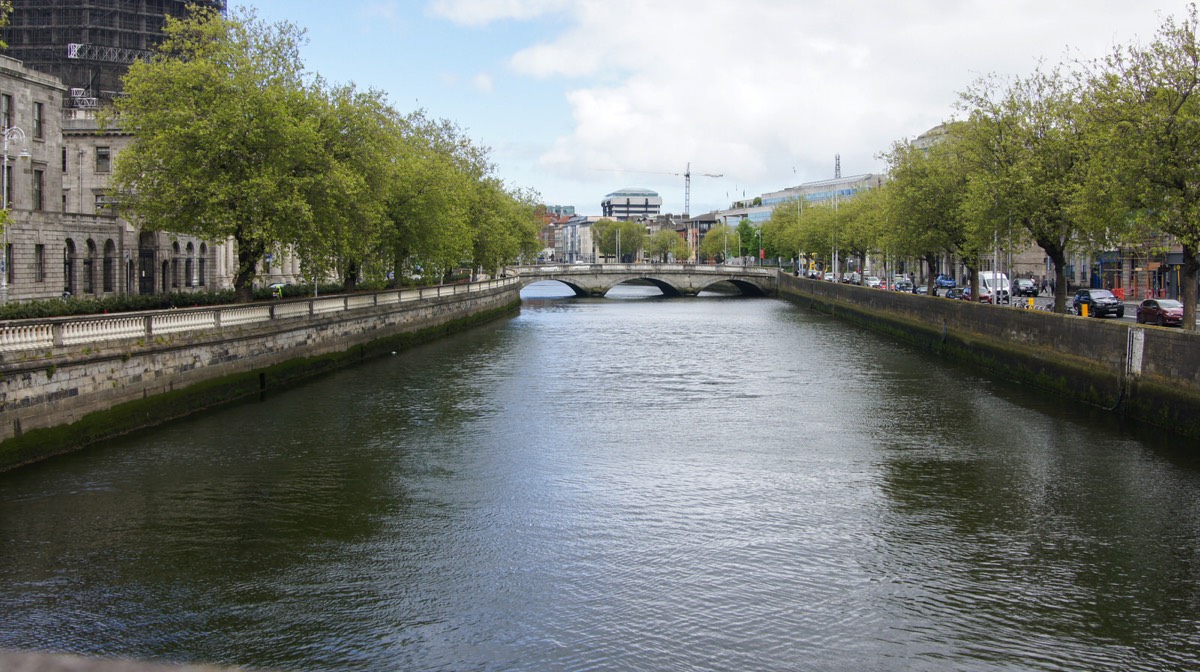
687 188
687 182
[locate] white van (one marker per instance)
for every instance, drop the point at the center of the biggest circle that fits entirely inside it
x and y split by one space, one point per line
995 284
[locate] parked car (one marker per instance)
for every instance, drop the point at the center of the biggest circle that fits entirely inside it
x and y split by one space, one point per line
922 289
873 281
1024 287
830 277
946 281
1100 302
1163 312
984 295
903 286
956 293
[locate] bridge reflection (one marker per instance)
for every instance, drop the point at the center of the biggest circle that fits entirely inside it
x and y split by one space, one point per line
672 279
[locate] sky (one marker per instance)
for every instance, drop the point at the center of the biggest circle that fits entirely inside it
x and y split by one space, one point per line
579 98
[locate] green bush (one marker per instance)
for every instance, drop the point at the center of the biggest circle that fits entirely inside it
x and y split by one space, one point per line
111 304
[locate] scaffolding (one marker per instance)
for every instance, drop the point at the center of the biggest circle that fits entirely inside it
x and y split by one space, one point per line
89 44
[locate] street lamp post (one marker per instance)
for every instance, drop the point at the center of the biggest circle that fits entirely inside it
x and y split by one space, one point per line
18 135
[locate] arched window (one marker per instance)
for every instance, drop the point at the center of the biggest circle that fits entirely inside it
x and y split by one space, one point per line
89 267
147 250
189 265
174 266
110 265
69 287
203 264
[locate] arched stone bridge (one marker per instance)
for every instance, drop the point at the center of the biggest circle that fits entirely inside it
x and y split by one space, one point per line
672 279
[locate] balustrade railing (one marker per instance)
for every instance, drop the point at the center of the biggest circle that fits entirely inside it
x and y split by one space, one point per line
22 335
721 269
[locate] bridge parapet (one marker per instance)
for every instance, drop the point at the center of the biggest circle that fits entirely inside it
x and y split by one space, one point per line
672 279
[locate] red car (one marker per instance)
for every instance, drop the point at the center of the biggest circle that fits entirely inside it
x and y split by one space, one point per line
1163 312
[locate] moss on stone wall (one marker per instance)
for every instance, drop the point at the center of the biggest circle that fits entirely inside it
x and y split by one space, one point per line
160 408
1052 366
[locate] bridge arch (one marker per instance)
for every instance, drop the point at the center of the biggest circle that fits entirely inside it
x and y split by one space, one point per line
673 280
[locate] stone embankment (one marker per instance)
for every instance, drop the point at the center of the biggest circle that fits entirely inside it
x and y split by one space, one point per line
69 382
1150 374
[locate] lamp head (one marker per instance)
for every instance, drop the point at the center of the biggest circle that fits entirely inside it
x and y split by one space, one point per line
24 154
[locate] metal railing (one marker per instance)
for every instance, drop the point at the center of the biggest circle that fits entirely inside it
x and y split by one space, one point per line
41 334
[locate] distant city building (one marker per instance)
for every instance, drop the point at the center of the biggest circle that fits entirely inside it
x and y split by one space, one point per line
574 242
824 191
89 44
631 204
561 210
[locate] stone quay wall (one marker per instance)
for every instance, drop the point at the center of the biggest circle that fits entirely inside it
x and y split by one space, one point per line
1146 373
69 382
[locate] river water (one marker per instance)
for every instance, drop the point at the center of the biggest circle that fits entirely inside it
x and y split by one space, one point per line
630 483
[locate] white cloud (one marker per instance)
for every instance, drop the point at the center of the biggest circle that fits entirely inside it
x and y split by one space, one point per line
751 89
482 12
386 13
482 83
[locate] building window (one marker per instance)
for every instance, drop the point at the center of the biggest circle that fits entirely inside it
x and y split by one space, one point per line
110 266
39 126
6 110
38 184
39 263
8 186
103 160
8 269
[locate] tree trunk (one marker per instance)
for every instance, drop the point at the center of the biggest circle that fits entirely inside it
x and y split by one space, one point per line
243 281
1058 257
931 273
1190 271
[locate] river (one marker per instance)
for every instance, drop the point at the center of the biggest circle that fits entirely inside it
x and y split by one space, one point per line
629 483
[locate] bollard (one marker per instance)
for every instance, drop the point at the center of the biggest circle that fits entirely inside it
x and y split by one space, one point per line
1083 309
1030 300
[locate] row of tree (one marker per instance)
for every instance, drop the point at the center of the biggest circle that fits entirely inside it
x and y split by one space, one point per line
233 140
1081 156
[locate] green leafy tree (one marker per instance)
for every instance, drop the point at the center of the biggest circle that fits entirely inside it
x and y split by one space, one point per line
1026 154
719 242
619 238
747 238
1147 164
353 170
666 244
5 18
428 209
924 202
505 225
225 127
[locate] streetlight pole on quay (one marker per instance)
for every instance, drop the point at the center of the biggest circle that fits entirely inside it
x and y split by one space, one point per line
16 134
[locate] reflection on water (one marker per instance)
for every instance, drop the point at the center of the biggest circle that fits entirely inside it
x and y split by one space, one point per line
620 483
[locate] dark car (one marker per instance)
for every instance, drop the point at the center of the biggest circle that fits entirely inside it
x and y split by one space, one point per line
956 293
946 281
1099 302
1163 312
1024 287
904 286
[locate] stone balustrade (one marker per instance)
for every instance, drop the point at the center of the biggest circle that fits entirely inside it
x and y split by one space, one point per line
24 335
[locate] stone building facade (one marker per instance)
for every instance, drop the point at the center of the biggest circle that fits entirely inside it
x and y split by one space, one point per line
65 236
